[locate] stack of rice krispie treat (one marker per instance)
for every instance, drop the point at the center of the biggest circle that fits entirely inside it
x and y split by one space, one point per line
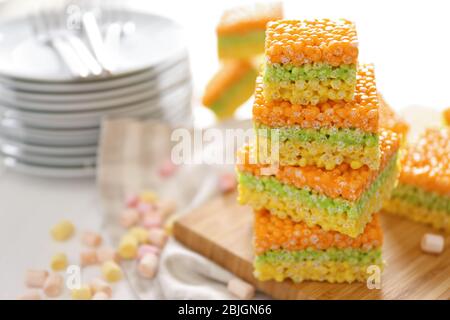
240 40
322 163
423 191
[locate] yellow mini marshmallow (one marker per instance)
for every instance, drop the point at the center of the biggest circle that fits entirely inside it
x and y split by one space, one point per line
111 271
62 231
140 234
82 293
59 262
128 247
148 197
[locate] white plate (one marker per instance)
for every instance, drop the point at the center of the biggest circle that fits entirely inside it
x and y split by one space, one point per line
92 119
89 86
64 97
73 161
10 147
47 137
105 99
43 171
21 55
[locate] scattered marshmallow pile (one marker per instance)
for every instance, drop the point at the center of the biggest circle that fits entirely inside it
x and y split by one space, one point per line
145 220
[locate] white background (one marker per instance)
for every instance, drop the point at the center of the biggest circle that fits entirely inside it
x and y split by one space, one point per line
408 41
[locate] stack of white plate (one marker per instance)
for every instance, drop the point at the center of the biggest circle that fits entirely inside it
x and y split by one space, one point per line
50 121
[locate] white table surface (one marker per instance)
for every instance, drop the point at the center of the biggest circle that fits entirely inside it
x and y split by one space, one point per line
407 41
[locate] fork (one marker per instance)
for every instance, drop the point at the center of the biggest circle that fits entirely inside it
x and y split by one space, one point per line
44 32
60 23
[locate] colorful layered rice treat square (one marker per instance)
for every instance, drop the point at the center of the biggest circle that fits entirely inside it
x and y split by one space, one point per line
230 87
285 249
342 199
241 31
446 117
423 191
310 61
325 135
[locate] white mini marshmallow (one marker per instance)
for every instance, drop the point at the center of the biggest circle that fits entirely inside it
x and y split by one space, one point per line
241 289
432 243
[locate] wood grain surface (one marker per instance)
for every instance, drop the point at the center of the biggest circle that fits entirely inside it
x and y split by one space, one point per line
221 230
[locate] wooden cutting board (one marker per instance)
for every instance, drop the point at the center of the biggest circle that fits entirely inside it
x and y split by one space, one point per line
221 230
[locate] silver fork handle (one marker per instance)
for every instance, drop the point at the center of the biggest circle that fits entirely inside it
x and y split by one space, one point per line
84 54
72 61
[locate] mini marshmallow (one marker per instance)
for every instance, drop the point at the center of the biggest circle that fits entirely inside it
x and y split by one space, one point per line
129 218
151 220
106 254
432 243
132 200
53 285
100 296
144 208
82 293
88 258
35 278
167 169
111 271
139 233
157 237
241 289
59 262
128 247
227 182
148 197
62 230
91 239
147 248
148 266
98 285
30 295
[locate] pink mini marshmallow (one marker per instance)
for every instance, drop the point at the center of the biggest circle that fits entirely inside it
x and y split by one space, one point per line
148 265
53 285
132 201
167 169
147 248
107 254
35 278
98 285
129 218
145 208
157 237
100 296
30 295
152 220
241 289
91 239
88 258
227 182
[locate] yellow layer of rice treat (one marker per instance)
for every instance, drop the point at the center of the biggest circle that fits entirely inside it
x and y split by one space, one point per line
436 218
330 271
